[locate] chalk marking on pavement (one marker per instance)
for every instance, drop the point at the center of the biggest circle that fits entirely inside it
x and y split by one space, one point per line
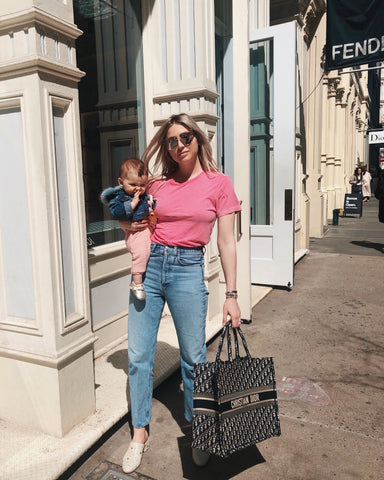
339 429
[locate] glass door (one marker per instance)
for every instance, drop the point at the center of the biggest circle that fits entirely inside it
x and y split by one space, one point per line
272 155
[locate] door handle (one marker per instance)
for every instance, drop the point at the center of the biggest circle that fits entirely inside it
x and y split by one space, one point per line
239 226
288 204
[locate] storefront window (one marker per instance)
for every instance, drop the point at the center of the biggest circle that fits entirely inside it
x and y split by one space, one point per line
111 102
261 132
224 85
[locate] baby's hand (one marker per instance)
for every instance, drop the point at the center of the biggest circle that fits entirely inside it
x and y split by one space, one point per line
152 220
135 200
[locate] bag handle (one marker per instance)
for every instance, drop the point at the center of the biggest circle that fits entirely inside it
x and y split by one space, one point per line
243 341
236 342
227 333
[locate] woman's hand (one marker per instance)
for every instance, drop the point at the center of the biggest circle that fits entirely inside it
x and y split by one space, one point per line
231 308
132 227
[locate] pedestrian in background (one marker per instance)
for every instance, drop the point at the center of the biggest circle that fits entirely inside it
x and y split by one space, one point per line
190 195
366 184
356 180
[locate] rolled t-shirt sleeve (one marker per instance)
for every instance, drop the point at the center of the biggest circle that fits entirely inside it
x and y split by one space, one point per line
227 201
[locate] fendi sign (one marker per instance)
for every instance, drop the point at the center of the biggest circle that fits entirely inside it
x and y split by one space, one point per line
354 33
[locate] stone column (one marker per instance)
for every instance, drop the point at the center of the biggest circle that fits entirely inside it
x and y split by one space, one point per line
323 157
46 341
330 152
242 148
339 148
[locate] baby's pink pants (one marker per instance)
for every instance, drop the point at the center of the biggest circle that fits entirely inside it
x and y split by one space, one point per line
139 245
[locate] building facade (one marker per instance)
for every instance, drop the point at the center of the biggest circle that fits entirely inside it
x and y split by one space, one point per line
83 85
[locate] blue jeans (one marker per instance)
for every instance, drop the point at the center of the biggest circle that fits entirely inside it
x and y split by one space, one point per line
174 275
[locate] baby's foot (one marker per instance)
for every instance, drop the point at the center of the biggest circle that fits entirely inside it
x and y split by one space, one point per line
138 290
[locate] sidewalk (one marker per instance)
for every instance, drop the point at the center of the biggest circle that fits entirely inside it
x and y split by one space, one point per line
328 329
32 455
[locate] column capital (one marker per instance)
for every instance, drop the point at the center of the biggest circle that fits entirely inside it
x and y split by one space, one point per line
37 41
340 95
333 84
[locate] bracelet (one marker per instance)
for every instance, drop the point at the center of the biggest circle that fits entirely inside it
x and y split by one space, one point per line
231 294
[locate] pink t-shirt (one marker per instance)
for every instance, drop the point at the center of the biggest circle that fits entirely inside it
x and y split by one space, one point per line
187 211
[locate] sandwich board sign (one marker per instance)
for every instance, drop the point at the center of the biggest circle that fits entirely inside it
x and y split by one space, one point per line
353 204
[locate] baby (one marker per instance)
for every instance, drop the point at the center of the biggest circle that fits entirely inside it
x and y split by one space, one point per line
128 201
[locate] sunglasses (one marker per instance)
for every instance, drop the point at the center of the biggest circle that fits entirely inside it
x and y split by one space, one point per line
173 142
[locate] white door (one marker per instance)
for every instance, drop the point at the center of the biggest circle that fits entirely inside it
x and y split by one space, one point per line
272 139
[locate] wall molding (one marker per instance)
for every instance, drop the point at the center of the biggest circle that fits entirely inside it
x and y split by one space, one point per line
186 94
38 64
62 357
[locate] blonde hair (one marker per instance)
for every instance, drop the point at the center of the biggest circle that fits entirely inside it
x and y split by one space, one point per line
163 160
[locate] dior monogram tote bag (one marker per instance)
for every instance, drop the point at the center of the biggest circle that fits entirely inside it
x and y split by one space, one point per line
235 400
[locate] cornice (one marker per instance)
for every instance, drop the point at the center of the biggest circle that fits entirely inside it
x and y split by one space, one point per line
185 94
314 13
197 116
37 64
37 16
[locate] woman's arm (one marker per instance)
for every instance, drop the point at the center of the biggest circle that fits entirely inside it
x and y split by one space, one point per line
227 248
132 227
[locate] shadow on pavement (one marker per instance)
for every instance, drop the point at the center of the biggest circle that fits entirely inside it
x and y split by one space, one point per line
365 243
217 468
167 359
171 396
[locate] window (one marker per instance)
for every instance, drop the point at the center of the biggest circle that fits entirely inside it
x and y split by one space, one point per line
111 102
224 85
261 132
64 208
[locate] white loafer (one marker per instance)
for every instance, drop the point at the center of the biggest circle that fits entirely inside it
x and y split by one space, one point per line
200 458
133 456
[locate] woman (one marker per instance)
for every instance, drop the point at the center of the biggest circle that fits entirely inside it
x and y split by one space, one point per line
356 180
191 194
366 184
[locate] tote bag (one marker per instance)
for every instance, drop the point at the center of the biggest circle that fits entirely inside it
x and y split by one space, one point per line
235 400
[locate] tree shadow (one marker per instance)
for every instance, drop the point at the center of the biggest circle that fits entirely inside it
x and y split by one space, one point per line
365 243
167 360
370 353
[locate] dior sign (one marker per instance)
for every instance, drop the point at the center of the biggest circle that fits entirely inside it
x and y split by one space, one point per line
376 137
